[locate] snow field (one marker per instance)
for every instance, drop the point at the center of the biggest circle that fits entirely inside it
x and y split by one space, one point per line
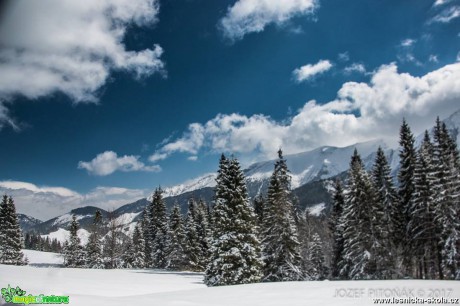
155 287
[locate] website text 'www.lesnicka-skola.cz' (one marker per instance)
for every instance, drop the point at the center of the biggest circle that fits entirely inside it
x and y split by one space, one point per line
418 301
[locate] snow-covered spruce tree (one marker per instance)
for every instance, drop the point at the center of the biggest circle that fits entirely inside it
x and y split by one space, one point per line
133 256
192 242
422 228
203 232
12 239
281 247
235 251
74 256
317 269
177 257
138 245
360 215
94 258
259 203
407 155
145 228
336 228
2 224
447 199
159 230
388 219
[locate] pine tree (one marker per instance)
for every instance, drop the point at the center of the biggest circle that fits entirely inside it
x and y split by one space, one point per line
203 232
407 155
145 228
422 229
235 251
336 228
259 203
3 205
177 257
281 247
447 200
359 214
159 230
317 269
74 256
192 242
138 245
388 218
11 235
94 245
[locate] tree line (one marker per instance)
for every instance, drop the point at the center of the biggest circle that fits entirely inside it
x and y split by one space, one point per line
383 231
378 227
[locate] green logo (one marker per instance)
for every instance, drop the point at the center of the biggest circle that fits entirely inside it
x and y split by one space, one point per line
18 296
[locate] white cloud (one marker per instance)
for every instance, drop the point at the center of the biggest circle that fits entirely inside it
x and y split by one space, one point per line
447 15
381 104
108 162
47 202
247 16
441 2
355 67
157 157
16 185
408 42
309 71
71 47
193 158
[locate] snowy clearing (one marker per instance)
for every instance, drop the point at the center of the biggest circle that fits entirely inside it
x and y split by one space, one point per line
154 287
43 259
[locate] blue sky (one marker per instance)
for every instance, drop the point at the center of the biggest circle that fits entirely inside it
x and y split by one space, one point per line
101 102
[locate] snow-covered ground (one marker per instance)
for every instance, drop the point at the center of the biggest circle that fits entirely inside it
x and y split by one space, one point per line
153 287
43 259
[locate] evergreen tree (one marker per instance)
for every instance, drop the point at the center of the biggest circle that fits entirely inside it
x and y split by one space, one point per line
138 245
422 228
94 245
177 257
317 269
235 251
259 203
74 256
281 247
361 243
3 206
336 228
145 228
407 155
203 232
159 230
192 241
447 200
11 236
388 218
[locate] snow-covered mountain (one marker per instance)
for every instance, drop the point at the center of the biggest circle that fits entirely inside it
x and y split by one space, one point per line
207 180
321 163
26 222
317 164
